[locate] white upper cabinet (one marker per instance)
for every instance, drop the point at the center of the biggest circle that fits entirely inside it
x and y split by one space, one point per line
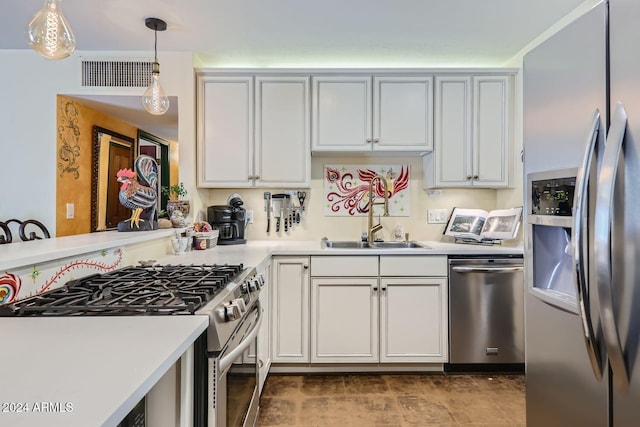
282 132
225 131
365 113
472 132
253 131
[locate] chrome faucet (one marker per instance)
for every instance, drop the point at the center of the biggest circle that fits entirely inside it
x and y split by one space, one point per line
373 229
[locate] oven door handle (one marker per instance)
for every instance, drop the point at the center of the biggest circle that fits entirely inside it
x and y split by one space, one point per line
228 359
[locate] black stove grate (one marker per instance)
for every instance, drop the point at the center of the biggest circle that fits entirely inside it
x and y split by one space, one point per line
155 290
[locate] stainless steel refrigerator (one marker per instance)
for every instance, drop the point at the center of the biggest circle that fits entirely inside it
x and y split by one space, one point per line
582 236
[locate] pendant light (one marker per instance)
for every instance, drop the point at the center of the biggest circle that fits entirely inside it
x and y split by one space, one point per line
49 33
154 99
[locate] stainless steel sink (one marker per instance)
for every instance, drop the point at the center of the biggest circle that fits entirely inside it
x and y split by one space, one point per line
354 244
344 244
397 245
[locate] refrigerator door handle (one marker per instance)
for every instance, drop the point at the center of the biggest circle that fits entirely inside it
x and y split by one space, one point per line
580 244
602 240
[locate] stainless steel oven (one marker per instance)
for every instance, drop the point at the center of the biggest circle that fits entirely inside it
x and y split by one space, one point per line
226 381
233 378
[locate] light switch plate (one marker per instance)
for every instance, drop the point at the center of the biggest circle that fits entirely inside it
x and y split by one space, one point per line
249 215
437 216
71 210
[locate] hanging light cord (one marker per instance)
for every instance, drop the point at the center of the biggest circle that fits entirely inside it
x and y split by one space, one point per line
155 45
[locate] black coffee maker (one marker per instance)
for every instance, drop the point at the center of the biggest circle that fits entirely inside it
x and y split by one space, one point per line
229 220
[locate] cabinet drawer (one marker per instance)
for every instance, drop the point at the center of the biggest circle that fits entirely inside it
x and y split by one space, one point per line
413 265
344 266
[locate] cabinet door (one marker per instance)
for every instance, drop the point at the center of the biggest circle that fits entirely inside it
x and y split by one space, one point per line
450 164
344 320
290 307
341 113
491 131
264 336
225 131
413 320
403 114
283 143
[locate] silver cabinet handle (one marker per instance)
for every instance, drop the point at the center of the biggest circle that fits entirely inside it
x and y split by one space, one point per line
469 177
602 247
475 176
580 244
376 140
487 269
369 140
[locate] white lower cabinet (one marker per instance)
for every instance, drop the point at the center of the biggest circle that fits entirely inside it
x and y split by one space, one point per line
413 319
263 349
344 320
264 336
399 318
290 305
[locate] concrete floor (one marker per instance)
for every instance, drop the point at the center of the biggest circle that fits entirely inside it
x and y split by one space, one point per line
393 400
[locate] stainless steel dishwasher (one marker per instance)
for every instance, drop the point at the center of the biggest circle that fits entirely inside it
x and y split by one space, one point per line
486 311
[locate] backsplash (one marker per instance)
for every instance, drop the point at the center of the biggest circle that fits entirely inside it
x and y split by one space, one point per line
315 225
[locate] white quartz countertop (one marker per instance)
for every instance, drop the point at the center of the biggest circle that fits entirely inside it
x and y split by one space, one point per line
18 254
257 253
98 367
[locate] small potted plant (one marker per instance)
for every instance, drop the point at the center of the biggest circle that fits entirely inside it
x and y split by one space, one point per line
176 194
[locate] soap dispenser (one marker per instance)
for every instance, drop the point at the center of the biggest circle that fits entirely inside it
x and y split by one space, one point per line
398 233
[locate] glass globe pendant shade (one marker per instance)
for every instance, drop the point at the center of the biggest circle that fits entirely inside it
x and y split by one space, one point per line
154 99
49 33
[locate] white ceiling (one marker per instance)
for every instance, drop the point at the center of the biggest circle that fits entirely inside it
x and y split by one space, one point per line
302 33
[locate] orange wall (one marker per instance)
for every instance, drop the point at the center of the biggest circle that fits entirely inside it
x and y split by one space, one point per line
74 166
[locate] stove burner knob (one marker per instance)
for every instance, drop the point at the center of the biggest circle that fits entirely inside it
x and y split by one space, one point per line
245 288
232 312
254 286
240 303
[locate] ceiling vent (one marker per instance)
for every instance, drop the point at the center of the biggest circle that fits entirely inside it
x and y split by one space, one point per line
116 73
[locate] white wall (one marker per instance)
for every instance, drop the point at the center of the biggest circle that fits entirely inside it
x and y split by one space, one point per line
29 84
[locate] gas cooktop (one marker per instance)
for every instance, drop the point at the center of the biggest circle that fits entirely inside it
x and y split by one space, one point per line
148 290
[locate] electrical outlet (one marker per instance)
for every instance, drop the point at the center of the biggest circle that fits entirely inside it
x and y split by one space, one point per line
249 216
71 208
437 216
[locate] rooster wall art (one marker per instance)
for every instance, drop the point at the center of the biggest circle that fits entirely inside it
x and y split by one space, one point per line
347 188
139 192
